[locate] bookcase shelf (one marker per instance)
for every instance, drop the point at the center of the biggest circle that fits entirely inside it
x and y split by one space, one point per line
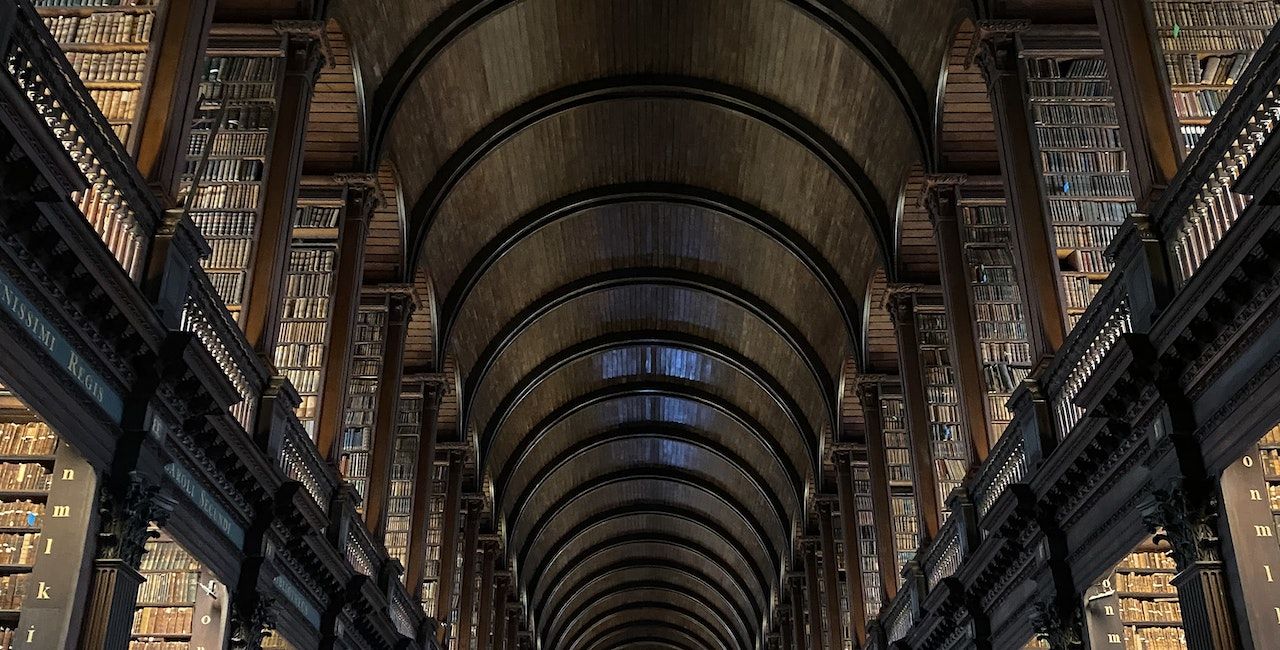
1000 323
1083 168
866 527
947 440
1135 606
435 533
1205 46
362 391
165 610
222 187
404 465
27 448
902 502
306 309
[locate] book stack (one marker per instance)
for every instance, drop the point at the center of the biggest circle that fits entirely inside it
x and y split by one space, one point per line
108 44
362 391
163 617
1083 168
947 437
435 533
902 502
27 446
222 182
306 309
404 464
1206 46
1147 601
1269 455
866 529
1001 326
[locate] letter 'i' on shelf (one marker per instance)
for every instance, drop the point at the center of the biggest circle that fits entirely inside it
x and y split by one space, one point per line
362 393
109 44
1205 47
866 530
902 502
1083 167
306 308
997 303
226 157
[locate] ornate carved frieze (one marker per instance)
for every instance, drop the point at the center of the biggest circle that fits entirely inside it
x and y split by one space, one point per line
127 508
1062 630
1187 522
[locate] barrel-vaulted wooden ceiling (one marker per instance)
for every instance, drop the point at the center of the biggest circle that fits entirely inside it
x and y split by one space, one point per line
649 228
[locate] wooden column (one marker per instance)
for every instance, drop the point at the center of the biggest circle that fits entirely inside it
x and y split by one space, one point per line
812 589
1036 259
795 584
830 574
513 628
943 200
502 585
1252 561
869 394
362 197
165 127
423 483
304 55
1146 117
400 305
852 558
484 620
467 595
449 536
902 303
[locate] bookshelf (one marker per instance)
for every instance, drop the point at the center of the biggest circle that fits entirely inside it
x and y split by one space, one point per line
404 463
902 502
166 604
27 449
1083 168
869 560
222 184
842 581
435 534
307 306
947 439
1000 323
109 44
362 392
1269 454
1205 45
1135 605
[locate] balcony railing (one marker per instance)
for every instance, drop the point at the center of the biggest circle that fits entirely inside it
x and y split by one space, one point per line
301 461
116 204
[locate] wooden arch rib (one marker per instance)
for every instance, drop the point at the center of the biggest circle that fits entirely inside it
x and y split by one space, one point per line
664 277
720 615
834 15
767 224
731 98
730 357
730 504
666 632
585 640
614 546
650 388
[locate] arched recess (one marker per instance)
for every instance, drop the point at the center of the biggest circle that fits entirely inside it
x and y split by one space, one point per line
648 613
673 589
661 632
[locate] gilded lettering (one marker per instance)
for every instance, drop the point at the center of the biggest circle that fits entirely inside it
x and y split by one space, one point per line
61 512
68 475
1263 531
42 592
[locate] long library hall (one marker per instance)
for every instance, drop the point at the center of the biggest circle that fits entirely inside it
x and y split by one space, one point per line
639 324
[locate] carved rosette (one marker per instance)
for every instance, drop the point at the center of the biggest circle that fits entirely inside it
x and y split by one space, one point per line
1051 626
127 514
251 624
1189 525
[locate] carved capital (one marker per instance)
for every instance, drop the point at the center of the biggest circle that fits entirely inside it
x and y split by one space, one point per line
306 45
1062 631
250 624
364 193
901 301
940 197
994 48
1188 524
127 510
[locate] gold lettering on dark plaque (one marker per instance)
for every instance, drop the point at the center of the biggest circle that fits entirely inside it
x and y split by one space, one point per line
1112 637
68 475
1267 568
31 634
48 546
1255 495
1109 610
61 512
1263 531
42 593
1248 461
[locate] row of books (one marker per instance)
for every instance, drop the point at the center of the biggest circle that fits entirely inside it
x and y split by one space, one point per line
224 224
1079 137
19 548
1146 583
27 439
1014 329
1002 377
1199 104
225 169
300 355
1199 12
170 587
1096 182
316 216
1000 287
998 256
1115 161
1078 290
1049 68
1050 90
228 143
24 476
310 271
1089 261
230 69
114 67
161 620
1091 212
228 284
230 254
311 311
222 196
1078 236
1155 638
1082 114
94 3
1015 352
116 105
167 556
245 93
114 28
1000 313
1190 70
1138 610
13 590
1148 560
1196 39
156 644
986 235
303 332
21 513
